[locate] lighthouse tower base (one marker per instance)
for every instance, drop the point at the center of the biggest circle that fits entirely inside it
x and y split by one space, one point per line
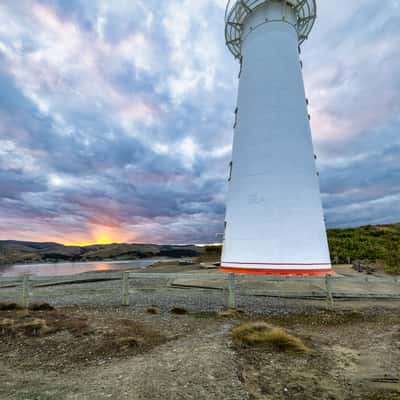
289 270
274 220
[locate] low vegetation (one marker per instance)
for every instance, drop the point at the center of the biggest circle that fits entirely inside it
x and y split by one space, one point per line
261 334
22 327
153 310
10 307
6 326
230 313
129 342
41 307
212 254
178 311
379 243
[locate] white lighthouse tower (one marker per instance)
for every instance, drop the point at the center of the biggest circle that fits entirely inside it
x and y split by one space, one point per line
274 220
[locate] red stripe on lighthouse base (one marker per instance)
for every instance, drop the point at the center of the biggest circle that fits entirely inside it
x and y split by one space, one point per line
283 269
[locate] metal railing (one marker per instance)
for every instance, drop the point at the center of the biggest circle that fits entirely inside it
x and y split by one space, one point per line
237 10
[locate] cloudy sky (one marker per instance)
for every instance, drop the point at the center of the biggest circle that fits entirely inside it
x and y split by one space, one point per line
116 117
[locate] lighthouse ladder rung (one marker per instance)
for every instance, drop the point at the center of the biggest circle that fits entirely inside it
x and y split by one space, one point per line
245 6
306 19
235 25
233 41
301 4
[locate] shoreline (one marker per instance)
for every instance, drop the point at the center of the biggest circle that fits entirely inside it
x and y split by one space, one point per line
79 267
107 260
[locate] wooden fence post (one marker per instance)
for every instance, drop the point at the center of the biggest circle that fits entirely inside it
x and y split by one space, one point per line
25 291
125 288
329 295
231 301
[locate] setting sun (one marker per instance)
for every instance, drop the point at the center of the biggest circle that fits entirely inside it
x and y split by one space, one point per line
100 235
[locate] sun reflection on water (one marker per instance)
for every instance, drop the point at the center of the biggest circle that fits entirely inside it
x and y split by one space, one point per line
103 267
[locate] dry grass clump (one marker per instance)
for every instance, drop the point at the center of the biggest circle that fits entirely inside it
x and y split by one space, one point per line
41 307
153 310
10 307
12 328
36 327
178 311
7 327
230 313
261 334
129 342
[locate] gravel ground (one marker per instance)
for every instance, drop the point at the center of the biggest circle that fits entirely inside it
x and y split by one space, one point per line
158 292
155 292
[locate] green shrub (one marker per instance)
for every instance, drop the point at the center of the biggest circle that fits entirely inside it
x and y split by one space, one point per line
380 242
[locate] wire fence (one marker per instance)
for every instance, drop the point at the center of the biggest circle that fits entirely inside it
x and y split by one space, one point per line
125 287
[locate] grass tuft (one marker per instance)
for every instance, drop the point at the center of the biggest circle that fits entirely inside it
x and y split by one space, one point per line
10 307
178 311
153 310
261 334
129 342
7 327
230 314
41 307
36 327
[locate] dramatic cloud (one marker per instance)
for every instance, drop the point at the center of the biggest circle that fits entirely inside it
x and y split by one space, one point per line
116 117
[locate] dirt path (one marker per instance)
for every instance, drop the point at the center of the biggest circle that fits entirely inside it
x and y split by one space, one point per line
198 366
195 367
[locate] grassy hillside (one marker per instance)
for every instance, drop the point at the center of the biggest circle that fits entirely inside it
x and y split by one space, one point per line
372 242
211 254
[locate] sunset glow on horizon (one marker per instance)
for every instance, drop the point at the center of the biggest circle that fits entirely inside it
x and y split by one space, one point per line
90 243
94 235
100 235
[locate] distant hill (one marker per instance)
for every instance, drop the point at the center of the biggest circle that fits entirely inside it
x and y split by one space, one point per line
13 251
34 245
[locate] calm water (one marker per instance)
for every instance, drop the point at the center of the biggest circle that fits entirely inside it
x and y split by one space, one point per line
72 268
